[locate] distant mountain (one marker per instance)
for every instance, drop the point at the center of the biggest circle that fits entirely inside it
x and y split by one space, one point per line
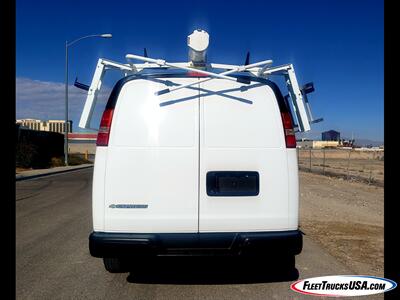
366 142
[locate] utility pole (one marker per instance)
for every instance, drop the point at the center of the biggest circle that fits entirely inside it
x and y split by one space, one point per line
105 35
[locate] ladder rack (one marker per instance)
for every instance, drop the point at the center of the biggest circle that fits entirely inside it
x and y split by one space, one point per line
298 96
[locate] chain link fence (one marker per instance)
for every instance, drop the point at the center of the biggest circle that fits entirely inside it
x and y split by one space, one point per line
350 164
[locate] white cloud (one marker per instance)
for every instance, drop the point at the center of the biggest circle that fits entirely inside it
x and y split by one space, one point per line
45 100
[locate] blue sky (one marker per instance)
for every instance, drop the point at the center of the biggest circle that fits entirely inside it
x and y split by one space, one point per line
336 44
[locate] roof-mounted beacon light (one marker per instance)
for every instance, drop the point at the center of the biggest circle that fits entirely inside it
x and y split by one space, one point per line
198 43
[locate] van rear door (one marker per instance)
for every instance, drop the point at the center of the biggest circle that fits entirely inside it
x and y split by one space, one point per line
243 160
151 182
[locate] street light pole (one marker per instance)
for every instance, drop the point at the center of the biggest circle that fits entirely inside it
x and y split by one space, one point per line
105 35
66 106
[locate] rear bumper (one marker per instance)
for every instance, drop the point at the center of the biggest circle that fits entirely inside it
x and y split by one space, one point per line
102 244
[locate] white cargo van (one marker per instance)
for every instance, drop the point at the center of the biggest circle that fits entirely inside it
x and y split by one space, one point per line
189 162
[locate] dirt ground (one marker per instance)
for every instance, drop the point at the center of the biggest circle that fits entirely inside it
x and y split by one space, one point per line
346 218
19 170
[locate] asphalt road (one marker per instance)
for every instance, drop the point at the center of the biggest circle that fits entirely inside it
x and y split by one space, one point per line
53 217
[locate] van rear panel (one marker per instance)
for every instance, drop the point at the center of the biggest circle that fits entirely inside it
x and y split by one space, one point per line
161 148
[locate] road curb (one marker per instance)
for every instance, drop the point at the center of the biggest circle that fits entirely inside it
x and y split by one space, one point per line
21 177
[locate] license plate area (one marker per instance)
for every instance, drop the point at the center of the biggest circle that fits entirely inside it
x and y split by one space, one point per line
232 183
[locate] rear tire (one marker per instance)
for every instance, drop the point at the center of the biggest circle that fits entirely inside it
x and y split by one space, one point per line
115 265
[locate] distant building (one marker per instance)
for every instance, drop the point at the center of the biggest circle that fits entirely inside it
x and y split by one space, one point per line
308 144
82 142
50 125
82 136
331 135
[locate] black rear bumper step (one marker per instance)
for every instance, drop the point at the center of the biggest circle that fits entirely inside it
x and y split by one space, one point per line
103 244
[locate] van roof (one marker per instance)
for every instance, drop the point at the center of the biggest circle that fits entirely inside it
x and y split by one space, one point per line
156 73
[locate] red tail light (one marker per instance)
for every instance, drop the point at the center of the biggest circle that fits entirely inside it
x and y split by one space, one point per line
196 74
290 137
105 126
